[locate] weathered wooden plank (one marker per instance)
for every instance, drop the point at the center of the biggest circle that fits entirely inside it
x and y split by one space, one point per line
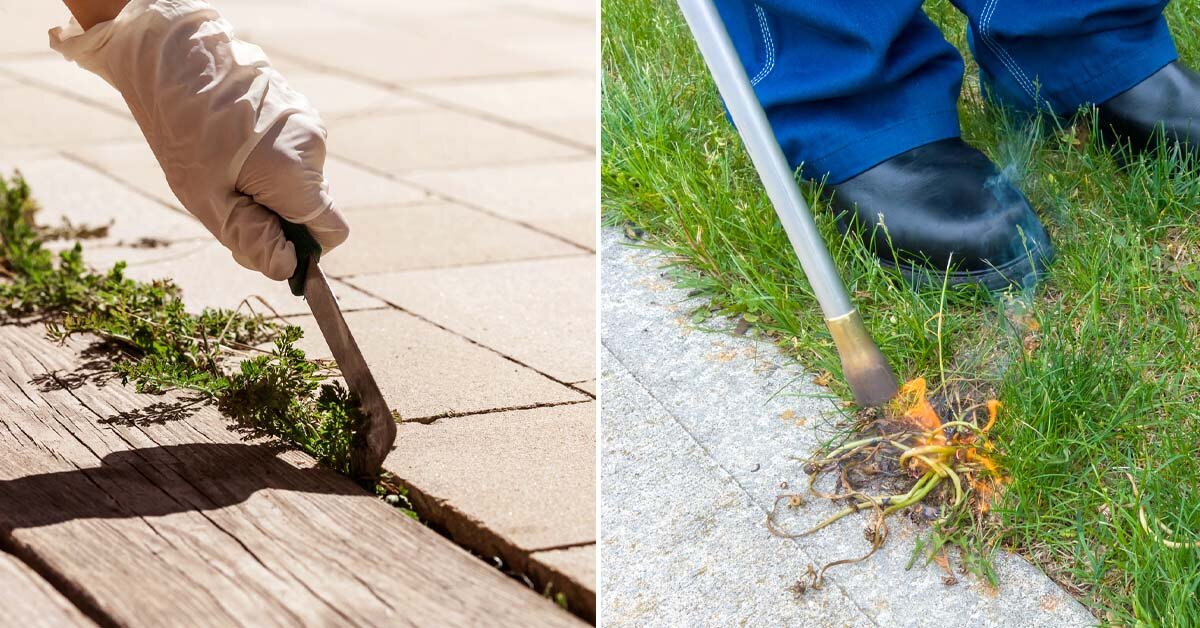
160 514
30 602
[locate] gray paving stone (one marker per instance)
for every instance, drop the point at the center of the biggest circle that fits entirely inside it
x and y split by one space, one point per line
558 196
434 235
525 477
542 313
56 74
354 187
548 103
351 186
337 96
390 54
581 11
65 189
130 162
681 542
571 571
753 412
37 117
25 25
209 277
425 371
403 141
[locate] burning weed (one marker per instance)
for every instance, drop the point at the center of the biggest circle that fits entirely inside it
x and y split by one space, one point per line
906 458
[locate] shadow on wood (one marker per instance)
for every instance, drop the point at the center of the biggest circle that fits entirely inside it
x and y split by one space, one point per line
155 481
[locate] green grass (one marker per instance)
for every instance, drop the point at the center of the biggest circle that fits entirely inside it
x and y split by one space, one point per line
1099 371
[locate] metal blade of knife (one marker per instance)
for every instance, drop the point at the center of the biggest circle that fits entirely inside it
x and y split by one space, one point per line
374 441
375 437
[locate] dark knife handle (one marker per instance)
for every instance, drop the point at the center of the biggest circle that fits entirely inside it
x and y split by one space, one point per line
306 249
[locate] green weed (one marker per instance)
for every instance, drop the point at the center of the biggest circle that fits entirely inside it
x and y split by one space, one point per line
160 346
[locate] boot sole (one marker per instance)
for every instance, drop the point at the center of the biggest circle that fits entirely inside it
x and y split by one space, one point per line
1022 273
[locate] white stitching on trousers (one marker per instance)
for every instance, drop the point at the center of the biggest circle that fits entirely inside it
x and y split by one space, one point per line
985 22
768 43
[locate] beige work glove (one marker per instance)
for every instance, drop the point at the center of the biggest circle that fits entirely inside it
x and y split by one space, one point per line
237 144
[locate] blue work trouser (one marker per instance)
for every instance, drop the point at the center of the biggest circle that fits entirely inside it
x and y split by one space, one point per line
851 83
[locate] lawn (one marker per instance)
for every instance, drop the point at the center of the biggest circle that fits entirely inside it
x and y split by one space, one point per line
1098 370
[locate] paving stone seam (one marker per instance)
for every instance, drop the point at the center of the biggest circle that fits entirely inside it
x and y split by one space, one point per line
587 155
484 78
26 81
473 341
97 168
465 265
564 546
729 474
404 90
431 419
28 55
440 196
516 163
122 244
551 14
376 111
83 161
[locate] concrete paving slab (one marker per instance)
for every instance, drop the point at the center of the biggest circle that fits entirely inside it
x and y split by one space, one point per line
581 130
130 162
524 478
67 189
351 186
558 197
754 412
403 141
571 571
425 371
434 235
37 117
25 25
541 313
355 187
337 96
562 47
542 102
574 10
454 43
209 277
682 543
56 74
396 55
250 18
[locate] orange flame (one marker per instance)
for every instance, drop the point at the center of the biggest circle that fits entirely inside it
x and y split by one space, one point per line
913 405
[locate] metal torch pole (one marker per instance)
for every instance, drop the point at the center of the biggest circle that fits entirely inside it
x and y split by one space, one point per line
866 370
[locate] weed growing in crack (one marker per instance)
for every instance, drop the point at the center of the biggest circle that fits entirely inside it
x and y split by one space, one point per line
161 346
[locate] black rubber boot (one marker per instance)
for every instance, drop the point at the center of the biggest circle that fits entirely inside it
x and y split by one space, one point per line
945 205
1168 99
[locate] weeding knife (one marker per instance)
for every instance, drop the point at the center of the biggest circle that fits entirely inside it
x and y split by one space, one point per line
374 439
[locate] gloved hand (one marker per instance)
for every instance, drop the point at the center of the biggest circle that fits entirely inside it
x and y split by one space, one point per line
238 145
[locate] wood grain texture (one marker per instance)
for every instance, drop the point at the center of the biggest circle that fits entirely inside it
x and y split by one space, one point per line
30 602
155 512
